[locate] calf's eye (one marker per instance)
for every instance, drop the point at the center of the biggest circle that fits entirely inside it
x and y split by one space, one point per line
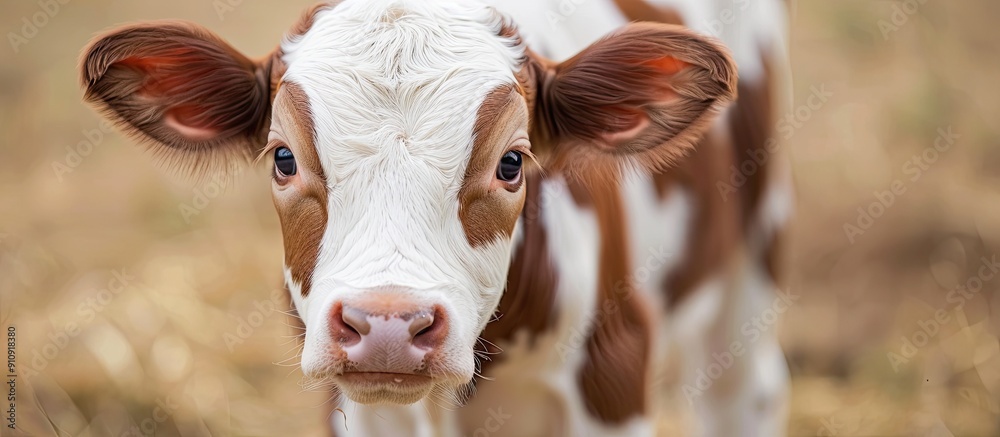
284 162
510 166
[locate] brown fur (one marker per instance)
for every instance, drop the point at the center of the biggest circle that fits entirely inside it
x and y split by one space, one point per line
137 75
615 378
774 257
639 10
642 96
489 208
302 209
715 230
715 227
721 222
751 124
665 181
141 74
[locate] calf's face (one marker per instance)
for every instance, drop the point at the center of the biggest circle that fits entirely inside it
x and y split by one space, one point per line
399 132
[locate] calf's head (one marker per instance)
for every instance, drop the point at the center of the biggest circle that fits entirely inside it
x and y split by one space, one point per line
398 132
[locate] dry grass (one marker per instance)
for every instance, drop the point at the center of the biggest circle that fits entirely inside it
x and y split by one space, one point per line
162 341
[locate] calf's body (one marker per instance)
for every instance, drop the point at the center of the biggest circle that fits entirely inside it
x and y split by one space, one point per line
701 250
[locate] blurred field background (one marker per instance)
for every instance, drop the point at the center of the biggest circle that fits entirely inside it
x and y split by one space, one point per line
196 337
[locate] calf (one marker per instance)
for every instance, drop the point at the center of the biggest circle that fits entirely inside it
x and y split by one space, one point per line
456 203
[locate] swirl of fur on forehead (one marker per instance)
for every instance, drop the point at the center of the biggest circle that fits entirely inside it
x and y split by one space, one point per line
393 90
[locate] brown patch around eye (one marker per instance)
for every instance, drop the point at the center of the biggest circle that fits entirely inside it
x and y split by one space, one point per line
301 206
485 210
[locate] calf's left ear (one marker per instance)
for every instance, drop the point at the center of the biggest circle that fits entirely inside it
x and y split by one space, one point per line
643 95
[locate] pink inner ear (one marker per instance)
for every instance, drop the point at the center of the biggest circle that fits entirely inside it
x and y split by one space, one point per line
667 64
632 123
175 120
624 122
180 119
613 139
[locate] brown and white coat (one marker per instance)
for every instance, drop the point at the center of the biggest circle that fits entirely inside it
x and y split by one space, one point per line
415 265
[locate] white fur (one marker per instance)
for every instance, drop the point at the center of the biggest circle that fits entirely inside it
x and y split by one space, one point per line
656 228
364 420
709 323
776 207
560 29
394 98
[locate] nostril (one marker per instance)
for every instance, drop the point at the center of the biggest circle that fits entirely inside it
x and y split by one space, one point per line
421 322
342 331
357 320
429 330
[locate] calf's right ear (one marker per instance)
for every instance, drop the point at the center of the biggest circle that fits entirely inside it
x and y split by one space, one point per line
640 97
182 90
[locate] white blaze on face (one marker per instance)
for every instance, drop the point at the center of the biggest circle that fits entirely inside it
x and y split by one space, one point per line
394 87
